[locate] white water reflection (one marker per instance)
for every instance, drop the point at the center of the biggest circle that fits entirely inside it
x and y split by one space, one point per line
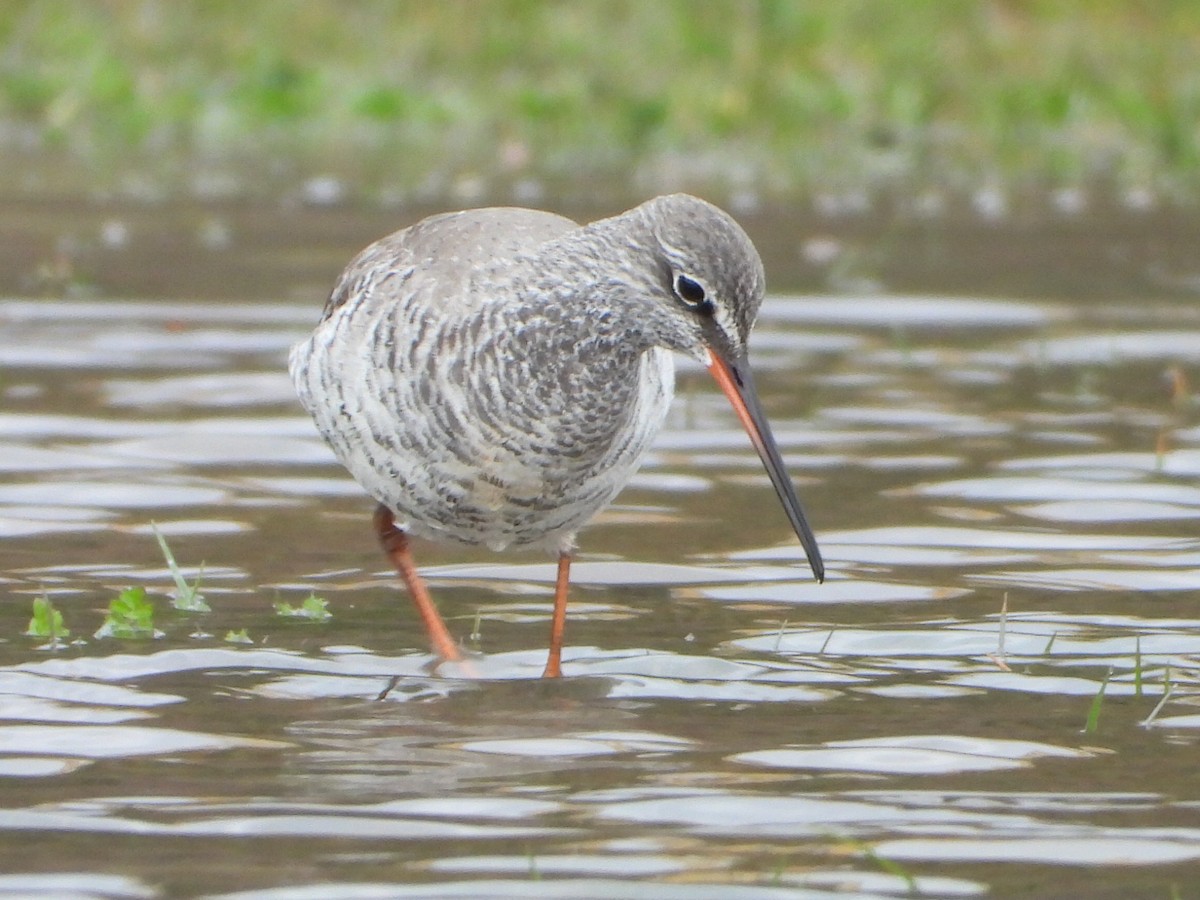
1115 347
1096 847
595 744
909 755
236 390
1107 511
75 884
1100 579
1043 636
1007 489
215 448
109 741
123 494
372 823
527 886
890 310
939 421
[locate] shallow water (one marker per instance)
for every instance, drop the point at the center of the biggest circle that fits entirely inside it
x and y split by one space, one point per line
1007 494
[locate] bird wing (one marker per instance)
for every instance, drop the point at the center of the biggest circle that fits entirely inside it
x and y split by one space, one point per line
444 250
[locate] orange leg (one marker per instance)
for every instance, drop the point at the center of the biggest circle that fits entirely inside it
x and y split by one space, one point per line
395 545
559 622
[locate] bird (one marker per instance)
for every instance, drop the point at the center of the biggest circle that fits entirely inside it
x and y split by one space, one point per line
492 377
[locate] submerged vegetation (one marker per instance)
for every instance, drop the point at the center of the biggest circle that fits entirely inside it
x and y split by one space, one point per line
131 614
313 609
47 622
753 97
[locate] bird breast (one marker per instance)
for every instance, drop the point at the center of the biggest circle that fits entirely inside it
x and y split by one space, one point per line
508 427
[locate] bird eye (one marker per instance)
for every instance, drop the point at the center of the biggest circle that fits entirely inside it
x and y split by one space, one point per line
691 292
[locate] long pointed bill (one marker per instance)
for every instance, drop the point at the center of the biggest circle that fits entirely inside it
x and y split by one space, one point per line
738 386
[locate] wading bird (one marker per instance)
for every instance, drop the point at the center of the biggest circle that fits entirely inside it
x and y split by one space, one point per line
492 377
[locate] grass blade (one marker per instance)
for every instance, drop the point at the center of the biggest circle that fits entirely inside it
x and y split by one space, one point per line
187 596
1093 717
1137 666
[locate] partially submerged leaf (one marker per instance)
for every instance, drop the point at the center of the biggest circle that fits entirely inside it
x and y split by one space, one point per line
47 622
314 608
130 616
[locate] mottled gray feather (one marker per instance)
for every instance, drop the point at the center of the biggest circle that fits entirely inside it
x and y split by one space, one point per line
494 376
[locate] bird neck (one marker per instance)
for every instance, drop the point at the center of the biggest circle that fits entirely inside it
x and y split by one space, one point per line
595 281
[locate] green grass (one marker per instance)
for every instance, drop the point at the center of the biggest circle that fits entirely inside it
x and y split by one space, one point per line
187 596
779 97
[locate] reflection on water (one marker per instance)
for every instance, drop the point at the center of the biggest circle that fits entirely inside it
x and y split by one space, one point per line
1005 493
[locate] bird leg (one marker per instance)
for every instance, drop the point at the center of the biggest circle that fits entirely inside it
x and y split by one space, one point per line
559 621
395 545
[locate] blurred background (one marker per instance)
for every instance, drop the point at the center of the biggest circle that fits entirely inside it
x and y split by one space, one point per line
844 106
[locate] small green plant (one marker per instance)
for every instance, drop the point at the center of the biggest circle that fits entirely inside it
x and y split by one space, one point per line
237 637
47 622
1093 717
130 616
187 596
314 608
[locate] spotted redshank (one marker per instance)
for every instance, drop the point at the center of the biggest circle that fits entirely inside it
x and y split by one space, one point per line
492 377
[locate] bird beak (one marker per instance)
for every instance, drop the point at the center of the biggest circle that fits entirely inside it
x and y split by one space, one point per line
737 385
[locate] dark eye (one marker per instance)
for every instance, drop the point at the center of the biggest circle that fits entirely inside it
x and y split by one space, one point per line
691 292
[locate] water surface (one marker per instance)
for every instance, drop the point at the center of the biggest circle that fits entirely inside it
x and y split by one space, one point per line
1006 491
